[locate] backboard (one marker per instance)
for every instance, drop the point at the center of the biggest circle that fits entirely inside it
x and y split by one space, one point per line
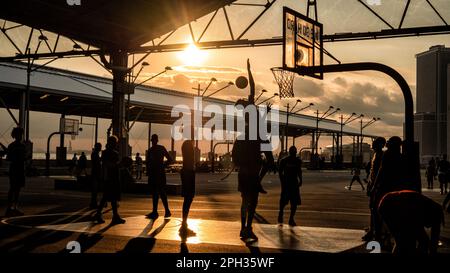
69 126
302 43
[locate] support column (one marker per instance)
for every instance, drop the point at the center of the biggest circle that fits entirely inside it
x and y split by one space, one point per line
119 62
96 131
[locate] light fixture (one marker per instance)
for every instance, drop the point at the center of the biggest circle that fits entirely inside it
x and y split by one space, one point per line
42 37
44 96
77 47
64 99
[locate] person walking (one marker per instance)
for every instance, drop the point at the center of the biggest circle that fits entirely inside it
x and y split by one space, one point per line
157 176
290 174
111 181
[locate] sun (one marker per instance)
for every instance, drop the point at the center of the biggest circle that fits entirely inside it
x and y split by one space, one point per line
191 55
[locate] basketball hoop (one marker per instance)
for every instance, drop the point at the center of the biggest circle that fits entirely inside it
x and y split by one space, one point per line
285 81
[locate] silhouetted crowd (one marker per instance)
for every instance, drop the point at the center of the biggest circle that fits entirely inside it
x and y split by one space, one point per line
397 209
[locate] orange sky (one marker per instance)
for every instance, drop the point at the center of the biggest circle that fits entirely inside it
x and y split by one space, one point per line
370 93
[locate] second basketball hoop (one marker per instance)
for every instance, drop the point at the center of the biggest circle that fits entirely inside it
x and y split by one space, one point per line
285 81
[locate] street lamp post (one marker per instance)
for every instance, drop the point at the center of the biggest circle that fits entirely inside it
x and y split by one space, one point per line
326 114
370 122
348 120
287 123
202 95
266 100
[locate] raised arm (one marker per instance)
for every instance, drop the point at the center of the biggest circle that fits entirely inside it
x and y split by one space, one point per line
252 83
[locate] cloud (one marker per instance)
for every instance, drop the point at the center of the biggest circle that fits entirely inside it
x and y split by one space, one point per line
305 88
340 81
208 69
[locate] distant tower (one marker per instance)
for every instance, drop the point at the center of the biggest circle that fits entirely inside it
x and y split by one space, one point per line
433 102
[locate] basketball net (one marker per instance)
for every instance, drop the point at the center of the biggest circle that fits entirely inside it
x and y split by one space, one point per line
285 81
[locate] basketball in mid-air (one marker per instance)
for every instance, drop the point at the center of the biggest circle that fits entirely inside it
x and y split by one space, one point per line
241 82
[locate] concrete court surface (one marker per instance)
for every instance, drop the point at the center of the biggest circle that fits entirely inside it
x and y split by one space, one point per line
331 219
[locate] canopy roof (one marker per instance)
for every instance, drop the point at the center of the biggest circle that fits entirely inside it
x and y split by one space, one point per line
109 23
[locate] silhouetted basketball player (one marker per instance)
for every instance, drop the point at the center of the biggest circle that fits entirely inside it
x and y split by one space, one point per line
356 172
188 184
16 155
247 157
111 181
157 176
95 173
377 147
407 213
443 173
391 176
290 173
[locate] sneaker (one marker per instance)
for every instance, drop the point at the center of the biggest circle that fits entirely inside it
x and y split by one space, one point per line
167 214
185 232
117 221
280 219
292 223
243 234
152 215
252 235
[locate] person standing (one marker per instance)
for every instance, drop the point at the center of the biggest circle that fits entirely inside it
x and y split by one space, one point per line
443 173
429 173
187 185
246 156
139 163
16 155
356 172
391 177
111 181
157 176
95 174
377 147
290 174
82 164
73 164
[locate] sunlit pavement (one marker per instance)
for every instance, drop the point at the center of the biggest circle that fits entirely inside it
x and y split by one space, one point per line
331 219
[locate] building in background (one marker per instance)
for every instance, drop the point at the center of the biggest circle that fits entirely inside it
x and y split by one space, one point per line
432 102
